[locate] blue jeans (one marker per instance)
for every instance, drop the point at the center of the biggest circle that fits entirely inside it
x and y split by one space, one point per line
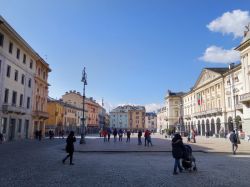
177 164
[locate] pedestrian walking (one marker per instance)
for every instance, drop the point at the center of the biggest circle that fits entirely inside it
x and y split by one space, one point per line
109 132
70 148
149 139
115 134
177 152
62 134
104 134
128 135
234 140
146 134
120 133
139 137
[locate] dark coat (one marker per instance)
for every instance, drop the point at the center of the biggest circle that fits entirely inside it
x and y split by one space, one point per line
70 144
177 148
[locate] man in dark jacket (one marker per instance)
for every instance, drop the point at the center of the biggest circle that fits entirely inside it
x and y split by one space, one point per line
234 140
139 137
128 135
177 152
70 147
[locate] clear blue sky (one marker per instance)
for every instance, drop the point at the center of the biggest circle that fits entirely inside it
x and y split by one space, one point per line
133 50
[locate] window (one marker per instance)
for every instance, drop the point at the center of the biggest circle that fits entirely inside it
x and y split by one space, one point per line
10 47
1 39
44 76
6 95
28 102
17 53
24 58
8 71
4 125
14 94
31 64
19 125
21 100
29 84
23 77
229 101
16 75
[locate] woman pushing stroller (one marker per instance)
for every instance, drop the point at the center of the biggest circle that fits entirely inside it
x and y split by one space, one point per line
177 151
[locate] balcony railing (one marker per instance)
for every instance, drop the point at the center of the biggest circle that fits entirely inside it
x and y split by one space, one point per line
245 97
7 108
239 106
187 116
215 111
40 114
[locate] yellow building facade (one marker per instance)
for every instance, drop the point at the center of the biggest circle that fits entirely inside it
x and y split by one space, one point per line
40 95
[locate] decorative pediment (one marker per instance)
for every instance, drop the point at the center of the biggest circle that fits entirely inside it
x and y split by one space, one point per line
205 77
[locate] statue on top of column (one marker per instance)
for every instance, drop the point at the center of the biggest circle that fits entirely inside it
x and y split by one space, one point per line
247 29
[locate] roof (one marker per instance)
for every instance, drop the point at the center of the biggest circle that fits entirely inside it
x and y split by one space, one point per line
218 70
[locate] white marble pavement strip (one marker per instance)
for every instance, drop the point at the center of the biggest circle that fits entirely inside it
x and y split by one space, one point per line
160 144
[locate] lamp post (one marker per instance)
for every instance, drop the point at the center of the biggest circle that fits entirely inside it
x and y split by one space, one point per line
84 80
231 66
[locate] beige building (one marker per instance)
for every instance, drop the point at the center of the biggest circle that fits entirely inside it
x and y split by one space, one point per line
136 118
204 106
173 103
40 95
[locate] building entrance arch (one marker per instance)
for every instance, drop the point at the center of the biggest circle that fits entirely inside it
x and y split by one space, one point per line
230 124
203 128
199 127
212 127
218 125
207 128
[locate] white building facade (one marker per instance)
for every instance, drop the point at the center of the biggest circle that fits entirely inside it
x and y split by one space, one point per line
151 121
17 69
244 49
119 118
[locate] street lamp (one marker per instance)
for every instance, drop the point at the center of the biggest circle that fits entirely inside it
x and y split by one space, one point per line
84 80
231 66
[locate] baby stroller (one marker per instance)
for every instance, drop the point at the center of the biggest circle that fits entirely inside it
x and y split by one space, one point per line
188 160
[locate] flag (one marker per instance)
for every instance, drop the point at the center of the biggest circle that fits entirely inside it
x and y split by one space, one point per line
199 98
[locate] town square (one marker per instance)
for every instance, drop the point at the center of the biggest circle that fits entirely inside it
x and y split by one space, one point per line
124 93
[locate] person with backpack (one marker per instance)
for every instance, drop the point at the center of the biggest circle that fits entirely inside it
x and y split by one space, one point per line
177 152
115 134
128 135
234 140
70 147
120 133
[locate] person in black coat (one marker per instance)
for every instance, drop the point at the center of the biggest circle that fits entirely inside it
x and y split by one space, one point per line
177 151
70 147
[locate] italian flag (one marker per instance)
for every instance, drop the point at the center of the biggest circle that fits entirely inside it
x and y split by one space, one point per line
199 98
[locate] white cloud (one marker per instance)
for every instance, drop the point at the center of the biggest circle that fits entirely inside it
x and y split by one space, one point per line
153 107
231 23
216 54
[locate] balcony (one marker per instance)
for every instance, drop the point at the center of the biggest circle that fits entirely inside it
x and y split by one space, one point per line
7 108
187 117
208 113
245 98
40 114
239 106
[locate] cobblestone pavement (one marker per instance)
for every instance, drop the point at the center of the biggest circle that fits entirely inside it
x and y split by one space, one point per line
33 163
